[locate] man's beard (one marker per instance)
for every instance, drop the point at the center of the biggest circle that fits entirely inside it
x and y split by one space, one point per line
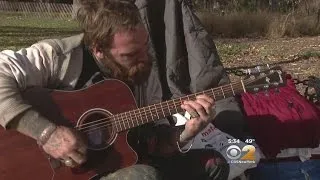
135 74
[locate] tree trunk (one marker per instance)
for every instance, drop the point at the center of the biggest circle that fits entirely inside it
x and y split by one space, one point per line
75 7
274 5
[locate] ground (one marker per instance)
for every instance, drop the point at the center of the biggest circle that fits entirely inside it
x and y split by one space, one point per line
299 57
18 30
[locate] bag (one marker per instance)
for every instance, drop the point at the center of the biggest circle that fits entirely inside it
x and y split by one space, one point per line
212 138
282 118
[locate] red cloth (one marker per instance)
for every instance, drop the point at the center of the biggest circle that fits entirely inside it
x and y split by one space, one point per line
281 120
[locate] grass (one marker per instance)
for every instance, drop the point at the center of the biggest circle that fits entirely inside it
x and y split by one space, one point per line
260 24
309 54
18 30
229 49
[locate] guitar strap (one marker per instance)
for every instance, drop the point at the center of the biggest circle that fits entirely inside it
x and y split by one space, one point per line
90 73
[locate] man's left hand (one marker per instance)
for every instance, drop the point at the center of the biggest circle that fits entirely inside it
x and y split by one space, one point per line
201 111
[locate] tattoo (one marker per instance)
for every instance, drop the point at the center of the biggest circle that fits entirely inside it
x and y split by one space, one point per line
55 142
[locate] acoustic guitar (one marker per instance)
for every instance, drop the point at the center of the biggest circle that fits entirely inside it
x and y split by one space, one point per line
104 112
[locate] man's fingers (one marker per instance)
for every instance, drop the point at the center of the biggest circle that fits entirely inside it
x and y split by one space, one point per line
206 98
194 106
82 149
205 104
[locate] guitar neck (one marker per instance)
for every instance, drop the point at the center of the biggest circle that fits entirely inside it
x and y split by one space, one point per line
154 112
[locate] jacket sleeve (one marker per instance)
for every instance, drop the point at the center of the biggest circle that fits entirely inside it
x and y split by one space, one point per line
33 66
207 71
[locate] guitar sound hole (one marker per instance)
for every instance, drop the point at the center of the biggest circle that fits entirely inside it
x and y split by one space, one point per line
98 128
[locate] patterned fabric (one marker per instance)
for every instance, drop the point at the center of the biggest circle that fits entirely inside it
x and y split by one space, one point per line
290 170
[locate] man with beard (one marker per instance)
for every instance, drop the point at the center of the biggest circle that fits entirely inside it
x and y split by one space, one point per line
114 44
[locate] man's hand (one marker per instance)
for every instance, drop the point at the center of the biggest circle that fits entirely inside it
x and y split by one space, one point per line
67 145
201 111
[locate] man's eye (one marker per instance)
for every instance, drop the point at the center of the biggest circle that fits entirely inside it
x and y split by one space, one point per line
129 56
126 58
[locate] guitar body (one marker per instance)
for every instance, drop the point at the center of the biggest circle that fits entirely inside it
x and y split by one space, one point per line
22 158
103 113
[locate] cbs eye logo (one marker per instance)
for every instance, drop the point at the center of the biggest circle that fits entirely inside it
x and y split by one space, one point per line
235 153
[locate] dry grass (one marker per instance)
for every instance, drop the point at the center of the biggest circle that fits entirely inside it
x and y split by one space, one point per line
235 25
299 57
261 24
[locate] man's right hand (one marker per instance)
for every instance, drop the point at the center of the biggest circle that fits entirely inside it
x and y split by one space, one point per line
66 144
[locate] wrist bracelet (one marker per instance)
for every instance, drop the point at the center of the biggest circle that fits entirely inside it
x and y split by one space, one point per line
185 151
46 133
181 140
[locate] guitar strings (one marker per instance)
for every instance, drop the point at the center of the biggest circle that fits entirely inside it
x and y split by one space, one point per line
123 119
118 116
146 112
118 121
128 118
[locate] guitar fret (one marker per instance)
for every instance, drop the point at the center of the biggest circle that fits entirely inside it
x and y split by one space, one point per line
131 118
120 121
232 89
162 110
115 122
145 114
180 100
222 92
156 111
124 123
134 112
141 118
141 111
168 107
151 113
214 96
175 106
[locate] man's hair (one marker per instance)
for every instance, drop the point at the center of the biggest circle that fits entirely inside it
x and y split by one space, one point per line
101 19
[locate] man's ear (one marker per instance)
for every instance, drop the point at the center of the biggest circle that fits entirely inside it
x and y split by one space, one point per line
97 53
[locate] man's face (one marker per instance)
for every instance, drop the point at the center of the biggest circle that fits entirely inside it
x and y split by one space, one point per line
130 47
129 54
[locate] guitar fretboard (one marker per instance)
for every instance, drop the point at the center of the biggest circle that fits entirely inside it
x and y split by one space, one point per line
154 112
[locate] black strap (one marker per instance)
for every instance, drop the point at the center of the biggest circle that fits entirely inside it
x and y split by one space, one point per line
89 71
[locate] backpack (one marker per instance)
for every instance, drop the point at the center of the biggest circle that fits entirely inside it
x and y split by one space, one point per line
281 118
